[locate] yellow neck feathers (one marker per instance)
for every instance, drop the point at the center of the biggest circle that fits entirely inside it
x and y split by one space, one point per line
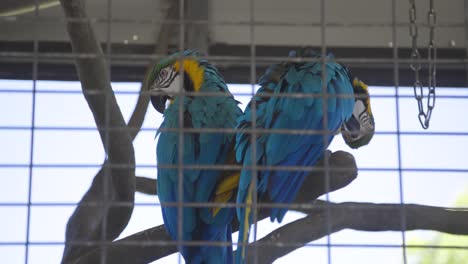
194 71
358 83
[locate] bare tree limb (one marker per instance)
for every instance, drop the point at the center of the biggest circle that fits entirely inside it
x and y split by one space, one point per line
143 184
101 222
356 216
138 116
95 80
155 243
146 185
96 218
162 47
339 159
172 12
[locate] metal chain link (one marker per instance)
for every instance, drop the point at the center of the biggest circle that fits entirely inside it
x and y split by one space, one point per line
415 63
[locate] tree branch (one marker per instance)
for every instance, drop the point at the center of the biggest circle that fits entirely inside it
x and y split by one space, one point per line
155 243
146 185
97 218
356 216
138 116
95 80
115 182
341 161
143 184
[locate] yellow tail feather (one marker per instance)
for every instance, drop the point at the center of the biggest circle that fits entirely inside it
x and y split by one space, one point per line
225 190
221 198
248 209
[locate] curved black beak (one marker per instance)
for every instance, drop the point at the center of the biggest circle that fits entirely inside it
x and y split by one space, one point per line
360 128
356 134
351 128
159 102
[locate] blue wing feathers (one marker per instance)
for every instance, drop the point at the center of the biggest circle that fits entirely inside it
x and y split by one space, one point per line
199 149
298 113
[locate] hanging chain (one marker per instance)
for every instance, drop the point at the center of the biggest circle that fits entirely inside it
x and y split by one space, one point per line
415 63
432 57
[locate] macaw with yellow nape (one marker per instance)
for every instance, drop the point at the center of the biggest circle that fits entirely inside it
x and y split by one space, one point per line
360 127
182 78
291 97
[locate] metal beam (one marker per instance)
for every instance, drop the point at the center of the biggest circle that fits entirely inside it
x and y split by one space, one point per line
16 59
19 7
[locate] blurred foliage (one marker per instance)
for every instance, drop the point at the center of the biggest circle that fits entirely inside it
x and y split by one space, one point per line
442 255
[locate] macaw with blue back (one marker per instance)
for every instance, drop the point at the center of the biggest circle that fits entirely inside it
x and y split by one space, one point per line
291 97
181 79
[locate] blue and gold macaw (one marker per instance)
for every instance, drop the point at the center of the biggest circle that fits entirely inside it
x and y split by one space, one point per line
359 129
217 110
291 98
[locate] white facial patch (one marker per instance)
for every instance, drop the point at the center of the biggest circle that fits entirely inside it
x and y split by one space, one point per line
174 87
359 108
168 82
360 113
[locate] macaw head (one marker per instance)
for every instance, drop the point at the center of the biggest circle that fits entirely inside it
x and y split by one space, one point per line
360 127
165 79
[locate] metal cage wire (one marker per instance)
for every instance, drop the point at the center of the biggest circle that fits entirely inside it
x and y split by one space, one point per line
37 57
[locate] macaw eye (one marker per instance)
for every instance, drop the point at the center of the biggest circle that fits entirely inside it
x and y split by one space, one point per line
162 74
165 78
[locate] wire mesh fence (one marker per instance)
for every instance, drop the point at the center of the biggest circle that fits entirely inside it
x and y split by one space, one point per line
62 163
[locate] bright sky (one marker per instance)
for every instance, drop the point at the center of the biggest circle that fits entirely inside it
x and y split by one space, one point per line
66 184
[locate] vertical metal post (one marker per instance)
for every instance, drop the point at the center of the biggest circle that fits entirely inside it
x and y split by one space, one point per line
253 136
33 126
397 107
107 169
180 133
325 130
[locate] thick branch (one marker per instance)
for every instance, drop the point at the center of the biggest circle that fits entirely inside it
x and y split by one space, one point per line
152 244
145 185
94 220
139 113
340 159
95 81
101 221
356 216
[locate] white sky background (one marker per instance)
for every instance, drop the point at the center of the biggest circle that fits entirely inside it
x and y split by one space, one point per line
83 147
